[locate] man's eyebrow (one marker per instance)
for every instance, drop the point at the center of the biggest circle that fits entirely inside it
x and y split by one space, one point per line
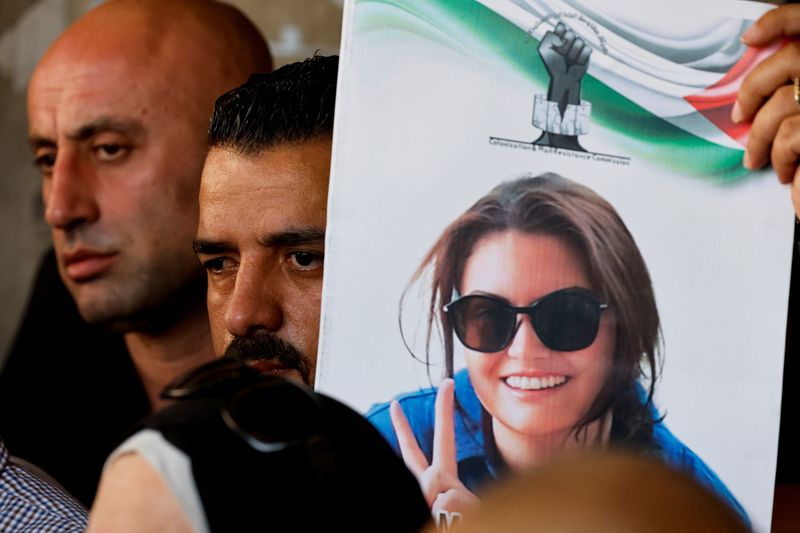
37 141
202 246
131 128
294 237
287 238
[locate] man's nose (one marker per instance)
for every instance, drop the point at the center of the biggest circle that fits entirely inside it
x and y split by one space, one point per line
526 343
255 303
69 193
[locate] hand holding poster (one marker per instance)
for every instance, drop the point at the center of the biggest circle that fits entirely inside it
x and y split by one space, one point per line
548 198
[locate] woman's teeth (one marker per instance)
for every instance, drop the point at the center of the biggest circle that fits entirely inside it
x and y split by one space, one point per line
527 383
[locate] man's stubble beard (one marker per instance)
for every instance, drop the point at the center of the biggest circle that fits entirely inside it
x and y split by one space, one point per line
149 298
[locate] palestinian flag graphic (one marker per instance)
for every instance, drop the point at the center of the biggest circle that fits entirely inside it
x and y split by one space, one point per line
665 84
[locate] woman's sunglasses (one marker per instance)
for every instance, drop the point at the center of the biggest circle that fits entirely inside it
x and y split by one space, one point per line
268 412
566 320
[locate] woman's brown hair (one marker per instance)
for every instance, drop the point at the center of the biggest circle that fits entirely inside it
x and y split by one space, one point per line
552 205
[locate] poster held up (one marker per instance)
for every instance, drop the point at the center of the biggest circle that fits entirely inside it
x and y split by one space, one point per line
606 120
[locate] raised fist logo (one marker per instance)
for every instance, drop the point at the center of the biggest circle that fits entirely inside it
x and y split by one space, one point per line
563 116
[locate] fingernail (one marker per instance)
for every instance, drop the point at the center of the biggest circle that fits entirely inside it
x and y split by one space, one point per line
748 34
747 161
736 112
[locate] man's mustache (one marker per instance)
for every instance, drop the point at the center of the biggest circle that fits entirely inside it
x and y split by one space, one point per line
268 347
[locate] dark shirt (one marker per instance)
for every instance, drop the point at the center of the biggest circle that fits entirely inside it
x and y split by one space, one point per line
69 392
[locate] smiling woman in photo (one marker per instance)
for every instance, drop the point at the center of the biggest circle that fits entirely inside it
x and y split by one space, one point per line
542 286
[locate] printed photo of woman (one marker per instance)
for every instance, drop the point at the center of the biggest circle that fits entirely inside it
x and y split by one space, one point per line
542 286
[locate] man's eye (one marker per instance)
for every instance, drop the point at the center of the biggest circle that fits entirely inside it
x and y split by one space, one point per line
218 264
44 161
306 260
109 152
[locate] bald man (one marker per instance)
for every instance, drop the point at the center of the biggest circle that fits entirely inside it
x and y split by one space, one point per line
118 109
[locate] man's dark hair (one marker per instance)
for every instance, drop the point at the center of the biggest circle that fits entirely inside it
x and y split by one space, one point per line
293 104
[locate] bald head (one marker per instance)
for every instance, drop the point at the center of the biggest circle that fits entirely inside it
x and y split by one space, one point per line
602 492
118 108
197 49
187 32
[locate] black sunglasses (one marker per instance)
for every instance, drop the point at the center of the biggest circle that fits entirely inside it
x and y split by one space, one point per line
566 320
268 412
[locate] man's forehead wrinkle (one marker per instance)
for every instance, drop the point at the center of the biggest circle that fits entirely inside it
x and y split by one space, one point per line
130 127
72 96
276 181
276 190
81 107
220 197
94 72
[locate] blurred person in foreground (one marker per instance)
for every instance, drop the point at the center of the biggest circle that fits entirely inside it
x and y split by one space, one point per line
600 492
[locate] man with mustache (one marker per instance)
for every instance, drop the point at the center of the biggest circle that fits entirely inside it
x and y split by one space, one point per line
118 108
263 206
211 461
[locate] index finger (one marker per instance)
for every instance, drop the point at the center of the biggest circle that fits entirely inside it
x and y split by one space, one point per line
412 454
444 440
780 22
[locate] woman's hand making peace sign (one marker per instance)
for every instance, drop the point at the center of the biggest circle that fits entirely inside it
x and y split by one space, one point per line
439 479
